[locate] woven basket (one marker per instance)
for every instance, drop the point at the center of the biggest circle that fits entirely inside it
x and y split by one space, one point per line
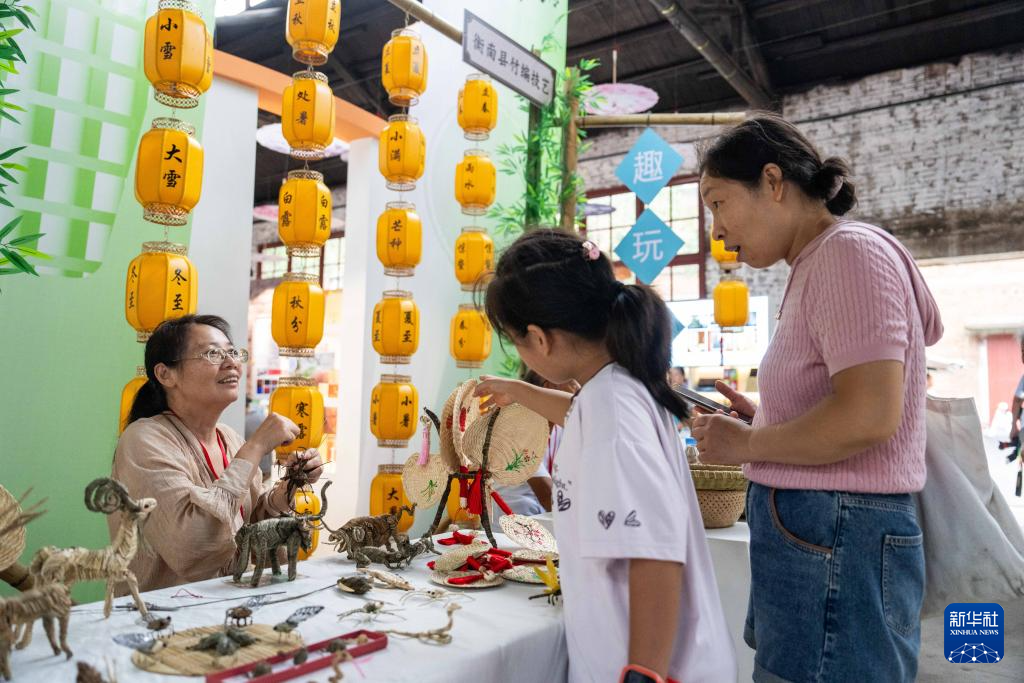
721 494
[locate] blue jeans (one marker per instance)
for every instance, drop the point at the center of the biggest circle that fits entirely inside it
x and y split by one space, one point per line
836 586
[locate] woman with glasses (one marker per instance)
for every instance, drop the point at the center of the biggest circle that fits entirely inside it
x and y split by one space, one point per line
204 477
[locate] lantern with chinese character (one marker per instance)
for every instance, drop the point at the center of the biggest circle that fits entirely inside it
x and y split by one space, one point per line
178 54
396 327
168 172
308 503
297 319
475 179
470 339
312 29
478 107
401 152
403 68
161 285
731 302
307 116
304 212
474 257
298 399
394 405
399 239
725 258
128 395
387 494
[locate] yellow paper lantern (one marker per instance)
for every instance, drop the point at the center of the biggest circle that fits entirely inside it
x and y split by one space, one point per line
396 327
128 395
307 116
478 107
732 300
474 257
399 239
312 29
470 338
297 317
168 172
161 285
475 179
308 503
304 212
178 54
387 494
298 399
394 405
402 152
403 67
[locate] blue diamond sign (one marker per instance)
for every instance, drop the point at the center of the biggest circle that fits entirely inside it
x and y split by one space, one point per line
648 247
677 326
648 166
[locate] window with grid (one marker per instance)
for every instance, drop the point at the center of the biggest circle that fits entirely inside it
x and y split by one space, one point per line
276 266
679 206
333 263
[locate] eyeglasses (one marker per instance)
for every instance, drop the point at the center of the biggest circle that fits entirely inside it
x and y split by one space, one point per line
217 356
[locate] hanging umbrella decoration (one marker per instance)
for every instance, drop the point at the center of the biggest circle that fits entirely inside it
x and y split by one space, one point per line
614 99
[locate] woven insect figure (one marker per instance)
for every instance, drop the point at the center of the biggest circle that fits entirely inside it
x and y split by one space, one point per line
51 603
360 533
549 575
437 636
262 539
296 618
370 612
110 564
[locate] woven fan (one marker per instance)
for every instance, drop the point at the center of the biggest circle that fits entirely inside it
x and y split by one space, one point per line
12 526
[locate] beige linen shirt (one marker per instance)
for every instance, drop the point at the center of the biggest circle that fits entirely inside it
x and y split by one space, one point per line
192 529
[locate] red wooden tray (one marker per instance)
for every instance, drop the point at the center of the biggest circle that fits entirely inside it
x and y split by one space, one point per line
378 641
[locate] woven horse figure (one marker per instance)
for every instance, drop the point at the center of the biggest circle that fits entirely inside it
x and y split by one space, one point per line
50 603
361 533
262 539
110 564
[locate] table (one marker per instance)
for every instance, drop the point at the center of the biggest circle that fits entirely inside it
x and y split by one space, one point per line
499 636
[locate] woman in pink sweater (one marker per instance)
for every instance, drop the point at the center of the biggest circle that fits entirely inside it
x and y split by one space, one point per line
837 443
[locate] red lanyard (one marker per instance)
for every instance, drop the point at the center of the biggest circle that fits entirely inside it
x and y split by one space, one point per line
224 458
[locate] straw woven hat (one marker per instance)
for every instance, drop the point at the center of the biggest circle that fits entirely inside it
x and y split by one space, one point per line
448 454
467 413
457 556
12 544
518 441
443 577
424 485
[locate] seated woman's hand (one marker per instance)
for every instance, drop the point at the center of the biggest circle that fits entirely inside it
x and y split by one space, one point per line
310 462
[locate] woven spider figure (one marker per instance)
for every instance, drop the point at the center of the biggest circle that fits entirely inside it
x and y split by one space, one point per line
370 612
430 596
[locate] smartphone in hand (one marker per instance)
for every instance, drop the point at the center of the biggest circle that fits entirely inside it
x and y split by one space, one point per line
706 403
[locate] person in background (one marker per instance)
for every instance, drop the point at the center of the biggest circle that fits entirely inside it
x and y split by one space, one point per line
254 417
677 377
1017 403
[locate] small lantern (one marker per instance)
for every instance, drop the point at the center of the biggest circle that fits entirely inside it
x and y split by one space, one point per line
387 494
399 239
161 285
470 338
401 152
474 257
396 327
168 172
308 503
304 212
298 399
475 179
178 54
727 259
307 117
403 68
128 395
731 303
297 319
312 29
394 405
478 107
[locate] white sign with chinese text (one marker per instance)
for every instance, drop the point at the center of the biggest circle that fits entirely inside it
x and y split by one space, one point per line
505 60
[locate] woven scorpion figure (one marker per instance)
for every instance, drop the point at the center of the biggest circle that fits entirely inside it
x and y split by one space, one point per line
366 533
110 564
50 603
263 538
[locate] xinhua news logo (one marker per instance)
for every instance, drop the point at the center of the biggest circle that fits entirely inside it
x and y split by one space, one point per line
974 633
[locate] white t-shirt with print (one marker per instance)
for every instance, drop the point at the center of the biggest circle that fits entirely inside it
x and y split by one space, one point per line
622 490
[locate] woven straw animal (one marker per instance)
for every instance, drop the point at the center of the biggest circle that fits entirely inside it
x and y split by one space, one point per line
50 603
368 532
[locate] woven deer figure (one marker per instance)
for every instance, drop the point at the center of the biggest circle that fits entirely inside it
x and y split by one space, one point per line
110 564
49 603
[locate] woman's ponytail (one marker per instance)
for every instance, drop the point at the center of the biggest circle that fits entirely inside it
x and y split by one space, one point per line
150 400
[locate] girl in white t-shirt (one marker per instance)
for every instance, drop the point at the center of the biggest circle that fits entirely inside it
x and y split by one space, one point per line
640 598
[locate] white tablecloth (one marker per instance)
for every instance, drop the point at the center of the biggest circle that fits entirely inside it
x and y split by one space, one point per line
500 635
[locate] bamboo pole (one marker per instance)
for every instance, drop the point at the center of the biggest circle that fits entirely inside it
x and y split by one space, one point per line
712 119
415 9
570 155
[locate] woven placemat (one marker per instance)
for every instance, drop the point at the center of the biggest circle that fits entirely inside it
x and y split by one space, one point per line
12 544
177 660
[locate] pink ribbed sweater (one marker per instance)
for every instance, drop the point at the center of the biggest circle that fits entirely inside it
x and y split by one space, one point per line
854 296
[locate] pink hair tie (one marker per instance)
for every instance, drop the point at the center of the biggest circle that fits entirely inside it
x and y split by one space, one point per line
591 251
